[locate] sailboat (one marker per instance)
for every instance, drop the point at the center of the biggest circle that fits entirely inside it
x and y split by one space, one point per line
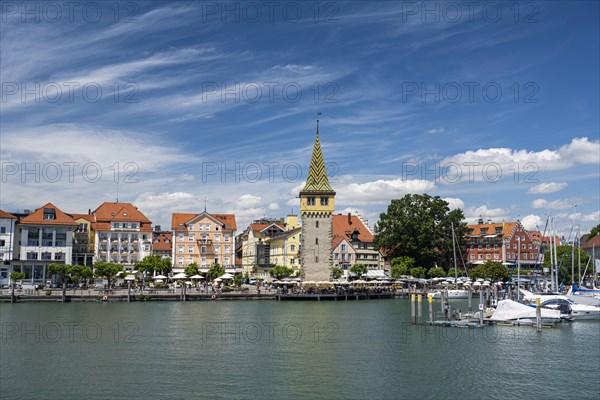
453 293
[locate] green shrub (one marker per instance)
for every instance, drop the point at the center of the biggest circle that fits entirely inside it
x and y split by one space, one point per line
48 292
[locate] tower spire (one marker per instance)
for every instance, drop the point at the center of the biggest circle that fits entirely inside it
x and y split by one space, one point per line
317 180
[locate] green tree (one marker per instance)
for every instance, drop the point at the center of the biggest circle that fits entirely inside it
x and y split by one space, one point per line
64 273
337 272
419 226
480 271
107 270
191 269
80 273
594 231
436 272
495 271
215 271
358 269
280 272
237 280
14 277
401 266
154 263
564 256
417 272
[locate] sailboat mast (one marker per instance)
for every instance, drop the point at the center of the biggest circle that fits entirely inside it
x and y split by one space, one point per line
551 258
454 256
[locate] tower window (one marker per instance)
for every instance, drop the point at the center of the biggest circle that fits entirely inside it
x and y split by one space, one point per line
316 240
316 259
324 201
310 201
316 224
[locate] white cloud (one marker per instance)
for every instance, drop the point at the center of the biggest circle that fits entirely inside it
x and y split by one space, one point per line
273 206
472 214
454 203
560 204
531 222
248 201
493 163
380 191
435 130
549 187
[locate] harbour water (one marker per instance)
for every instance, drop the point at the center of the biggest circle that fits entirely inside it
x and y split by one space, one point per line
275 350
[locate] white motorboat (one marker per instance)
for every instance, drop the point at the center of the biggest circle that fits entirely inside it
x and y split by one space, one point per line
452 294
510 311
570 309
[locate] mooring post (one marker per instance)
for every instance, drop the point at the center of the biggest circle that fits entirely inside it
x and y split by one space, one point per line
538 314
412 308
481 307
430 299
420 308
128 291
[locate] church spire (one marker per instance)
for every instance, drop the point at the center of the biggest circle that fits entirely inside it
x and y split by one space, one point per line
317 180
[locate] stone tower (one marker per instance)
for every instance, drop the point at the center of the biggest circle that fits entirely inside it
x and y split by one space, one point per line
316 212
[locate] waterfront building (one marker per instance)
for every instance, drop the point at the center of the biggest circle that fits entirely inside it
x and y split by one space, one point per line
284 248
43 237
162 243
255 246
316 212
505 242
353 244
123 234
204 239
592 248
7 241
84 239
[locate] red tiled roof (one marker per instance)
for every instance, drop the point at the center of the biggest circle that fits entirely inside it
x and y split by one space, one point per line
593 242
4 214
344 227
119 212
507 228
87 217
179 219
37 217
162 244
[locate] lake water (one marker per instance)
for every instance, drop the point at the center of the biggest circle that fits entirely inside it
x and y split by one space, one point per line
276 350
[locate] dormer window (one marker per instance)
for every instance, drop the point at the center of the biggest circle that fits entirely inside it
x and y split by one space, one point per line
49 214
483 231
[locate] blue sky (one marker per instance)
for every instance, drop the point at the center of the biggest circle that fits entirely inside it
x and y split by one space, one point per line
432 97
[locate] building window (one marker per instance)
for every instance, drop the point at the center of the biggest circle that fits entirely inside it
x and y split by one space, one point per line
310 201
514 246
480 256
530 246
181 237
191 237
226 237
190 260
524 256
226 260
180 260
292 247
191 227
496 256
343 247
472 256
316 259
487 247
316 224
46 256
324 201
292 261
207 227
522 238
49 214
180 249
32 256
203 260
2 229
200 227
59 256
487 257
217 237
217 250
190 249
495 247
480 247
316 240
203 249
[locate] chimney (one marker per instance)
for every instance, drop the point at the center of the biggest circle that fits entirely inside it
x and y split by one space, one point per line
89 211
349 219
489 221
480 221
157 228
